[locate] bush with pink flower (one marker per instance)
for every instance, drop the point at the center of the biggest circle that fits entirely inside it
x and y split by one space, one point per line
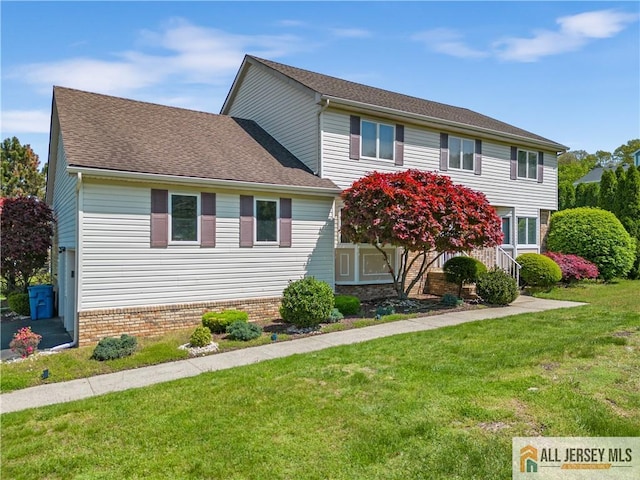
25 342
574 267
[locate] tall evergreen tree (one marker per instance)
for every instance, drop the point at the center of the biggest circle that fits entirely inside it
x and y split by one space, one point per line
20 174
566 195
587 194
629 198
608 190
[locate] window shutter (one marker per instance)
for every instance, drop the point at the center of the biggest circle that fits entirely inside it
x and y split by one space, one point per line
540 167
514 163
246 220
399 153
478 158
354 138
159 218
207 219
444 152
285 222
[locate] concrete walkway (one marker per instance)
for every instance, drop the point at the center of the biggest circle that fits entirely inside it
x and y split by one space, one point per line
53 393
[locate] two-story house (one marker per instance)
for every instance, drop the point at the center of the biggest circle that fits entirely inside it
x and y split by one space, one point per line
164 213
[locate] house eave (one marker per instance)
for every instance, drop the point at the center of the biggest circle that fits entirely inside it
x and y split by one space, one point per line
201 182
441 123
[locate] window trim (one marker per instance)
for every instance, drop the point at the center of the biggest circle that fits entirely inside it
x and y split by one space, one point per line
198 218
393 140
537 233
537 159
255 223
473 156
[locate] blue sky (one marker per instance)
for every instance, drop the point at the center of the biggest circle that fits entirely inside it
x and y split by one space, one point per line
569 71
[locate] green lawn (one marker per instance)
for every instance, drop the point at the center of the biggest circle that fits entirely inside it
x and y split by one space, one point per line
441 404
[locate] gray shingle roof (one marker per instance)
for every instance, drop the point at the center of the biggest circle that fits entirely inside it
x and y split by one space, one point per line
344 89
112 133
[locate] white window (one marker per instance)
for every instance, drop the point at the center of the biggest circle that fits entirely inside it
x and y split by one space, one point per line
527 231
527 164
266 221
184 209
377 140
506 230
461 153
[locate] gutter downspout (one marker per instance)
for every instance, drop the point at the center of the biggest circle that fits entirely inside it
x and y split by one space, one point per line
320 135
74 342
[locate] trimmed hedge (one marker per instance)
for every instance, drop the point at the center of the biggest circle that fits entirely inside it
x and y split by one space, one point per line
597 236
201 337
110 348
461 270
538 270
217 322
19 303
307 302
497 287
347 304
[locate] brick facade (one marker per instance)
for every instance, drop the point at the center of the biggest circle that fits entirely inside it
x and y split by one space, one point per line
149 321
545 215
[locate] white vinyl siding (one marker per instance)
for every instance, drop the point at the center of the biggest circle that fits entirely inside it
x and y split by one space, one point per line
65 201
119 269
422 151
290 115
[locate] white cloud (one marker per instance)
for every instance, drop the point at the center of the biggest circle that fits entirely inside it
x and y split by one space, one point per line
449 42
25 121
574 32
183 52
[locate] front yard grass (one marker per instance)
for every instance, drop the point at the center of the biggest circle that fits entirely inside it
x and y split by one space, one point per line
439 404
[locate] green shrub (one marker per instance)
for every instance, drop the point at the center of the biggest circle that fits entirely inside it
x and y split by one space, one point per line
450 300
201 337
595 235
383 310
347 304
497 287
244 331
538 270
110 347
306 302
461 270
335 316
19 303
217 322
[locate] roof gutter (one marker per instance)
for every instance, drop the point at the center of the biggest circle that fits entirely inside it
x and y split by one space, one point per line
437 122
197 181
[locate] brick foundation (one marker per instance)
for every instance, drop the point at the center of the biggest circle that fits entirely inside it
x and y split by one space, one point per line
367 292
438 285
150 321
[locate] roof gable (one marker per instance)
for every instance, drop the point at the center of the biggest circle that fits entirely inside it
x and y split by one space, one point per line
329 86
118 134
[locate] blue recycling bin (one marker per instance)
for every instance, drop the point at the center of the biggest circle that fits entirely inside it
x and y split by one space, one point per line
41 301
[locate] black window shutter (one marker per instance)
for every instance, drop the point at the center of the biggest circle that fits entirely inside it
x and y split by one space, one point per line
207 219
444 152
159 218
399 147
514 163
540 167
478 158
354 138
246 220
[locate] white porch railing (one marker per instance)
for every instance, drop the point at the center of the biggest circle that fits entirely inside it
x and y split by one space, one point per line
502 259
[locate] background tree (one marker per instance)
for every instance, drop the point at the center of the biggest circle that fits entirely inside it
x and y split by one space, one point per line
423 213
566 195
624 153
26 227
587 194
608 190
575 164
20 170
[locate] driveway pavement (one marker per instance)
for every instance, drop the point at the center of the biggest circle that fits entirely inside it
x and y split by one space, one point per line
52 331
141 377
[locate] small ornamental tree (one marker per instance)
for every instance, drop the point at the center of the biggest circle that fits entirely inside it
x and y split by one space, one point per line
26 230
574 267
424 213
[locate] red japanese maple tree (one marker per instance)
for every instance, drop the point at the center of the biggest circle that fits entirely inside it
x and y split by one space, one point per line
424 213
26 231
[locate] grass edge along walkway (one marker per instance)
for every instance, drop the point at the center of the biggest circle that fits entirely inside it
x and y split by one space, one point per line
61 392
